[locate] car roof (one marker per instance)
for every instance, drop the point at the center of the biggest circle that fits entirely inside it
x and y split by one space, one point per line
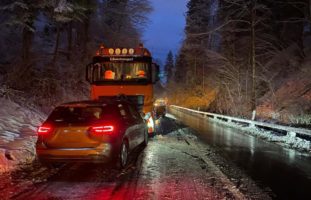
91 103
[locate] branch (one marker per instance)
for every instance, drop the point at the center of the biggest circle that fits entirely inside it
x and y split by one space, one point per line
219 27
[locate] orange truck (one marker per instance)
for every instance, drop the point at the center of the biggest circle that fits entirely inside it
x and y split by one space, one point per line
125 72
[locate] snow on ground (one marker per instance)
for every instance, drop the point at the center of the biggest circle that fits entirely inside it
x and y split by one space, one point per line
17 134
197 153
289 140
175 165
170 116
181 132
176 168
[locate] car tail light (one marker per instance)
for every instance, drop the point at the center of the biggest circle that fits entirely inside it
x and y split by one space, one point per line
44 130
107 129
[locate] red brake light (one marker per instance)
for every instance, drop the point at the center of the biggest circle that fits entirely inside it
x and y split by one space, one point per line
43 130
102 129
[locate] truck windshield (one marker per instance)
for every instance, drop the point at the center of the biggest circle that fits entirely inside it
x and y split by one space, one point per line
121 71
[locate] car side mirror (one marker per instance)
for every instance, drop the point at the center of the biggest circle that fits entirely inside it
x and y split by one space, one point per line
155 73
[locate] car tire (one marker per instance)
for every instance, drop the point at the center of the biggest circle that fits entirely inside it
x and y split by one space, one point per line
146 138
49 164
123 155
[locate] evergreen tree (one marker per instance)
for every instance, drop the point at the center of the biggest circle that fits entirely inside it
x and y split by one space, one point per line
124 21
39 31
194 47
64 13
169 66
21 15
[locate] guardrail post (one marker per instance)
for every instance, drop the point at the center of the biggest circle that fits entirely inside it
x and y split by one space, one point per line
291 134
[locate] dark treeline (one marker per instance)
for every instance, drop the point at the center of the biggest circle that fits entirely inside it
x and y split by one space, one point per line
244 55
45 44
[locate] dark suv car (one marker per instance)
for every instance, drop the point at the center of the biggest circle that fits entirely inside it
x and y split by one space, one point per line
91 131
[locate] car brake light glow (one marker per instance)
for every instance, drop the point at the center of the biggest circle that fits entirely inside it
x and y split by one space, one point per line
150 122
43 130
102 129
150 125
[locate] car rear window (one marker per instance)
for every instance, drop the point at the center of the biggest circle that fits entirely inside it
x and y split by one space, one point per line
82 114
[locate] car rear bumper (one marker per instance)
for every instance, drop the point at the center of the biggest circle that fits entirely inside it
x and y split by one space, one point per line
102 153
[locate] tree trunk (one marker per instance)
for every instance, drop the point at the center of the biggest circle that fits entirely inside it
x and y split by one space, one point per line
69 38
86 26
85 38
203 78
253 56
56 43
26 45
195 67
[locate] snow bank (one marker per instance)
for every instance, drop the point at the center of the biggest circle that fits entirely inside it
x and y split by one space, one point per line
17 134
289 140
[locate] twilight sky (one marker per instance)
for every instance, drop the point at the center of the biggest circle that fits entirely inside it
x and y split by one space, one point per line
166 28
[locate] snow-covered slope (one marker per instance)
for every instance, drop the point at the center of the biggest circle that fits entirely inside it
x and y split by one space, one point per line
17 134
289 97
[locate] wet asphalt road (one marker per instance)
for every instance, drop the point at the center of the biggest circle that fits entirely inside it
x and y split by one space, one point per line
170 167
213 162
284 172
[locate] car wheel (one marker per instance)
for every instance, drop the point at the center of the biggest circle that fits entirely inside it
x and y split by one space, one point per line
146 138
123 158
49 164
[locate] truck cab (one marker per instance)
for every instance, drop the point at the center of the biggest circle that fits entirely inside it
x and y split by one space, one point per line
125 72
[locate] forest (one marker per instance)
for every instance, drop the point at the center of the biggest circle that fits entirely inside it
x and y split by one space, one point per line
246 58
46 44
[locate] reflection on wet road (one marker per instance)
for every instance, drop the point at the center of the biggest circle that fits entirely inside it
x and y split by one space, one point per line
286 172
168 168
175 165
